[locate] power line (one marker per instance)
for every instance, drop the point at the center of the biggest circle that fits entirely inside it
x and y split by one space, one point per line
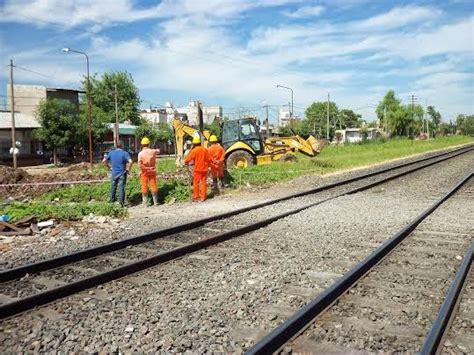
32 71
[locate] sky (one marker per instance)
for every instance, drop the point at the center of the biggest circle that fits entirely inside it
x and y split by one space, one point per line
233 53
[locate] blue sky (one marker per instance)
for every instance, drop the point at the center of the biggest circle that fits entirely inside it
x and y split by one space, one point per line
234 53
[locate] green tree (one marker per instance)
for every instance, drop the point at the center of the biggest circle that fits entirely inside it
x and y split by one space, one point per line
398 119
465 124
99 128
103 98
59 124
214 127
349 119
387 107
160 132
435 118
316 119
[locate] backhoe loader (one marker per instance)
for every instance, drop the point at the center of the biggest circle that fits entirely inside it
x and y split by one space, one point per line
244 146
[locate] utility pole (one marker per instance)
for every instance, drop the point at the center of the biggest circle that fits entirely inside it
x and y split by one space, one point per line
116 126
327 121
268 124
12 108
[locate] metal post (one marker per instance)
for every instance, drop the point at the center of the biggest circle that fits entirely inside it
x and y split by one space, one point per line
12 108
116 125
327 121
268 124
89 113
292 108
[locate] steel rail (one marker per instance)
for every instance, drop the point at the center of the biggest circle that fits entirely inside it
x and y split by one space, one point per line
440 325
47 296
33 268
286 331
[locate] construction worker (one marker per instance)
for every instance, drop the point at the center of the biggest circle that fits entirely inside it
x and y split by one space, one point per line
120 163
216 157
200 156
147 165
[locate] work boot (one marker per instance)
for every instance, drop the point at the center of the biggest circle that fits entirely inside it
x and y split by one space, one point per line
155 198
145 199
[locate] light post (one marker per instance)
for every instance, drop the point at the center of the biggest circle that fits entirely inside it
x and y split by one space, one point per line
89 103
285 87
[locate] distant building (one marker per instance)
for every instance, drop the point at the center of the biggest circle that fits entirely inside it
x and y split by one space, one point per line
24 126
355 135
283 116
209 113
28 97
155 116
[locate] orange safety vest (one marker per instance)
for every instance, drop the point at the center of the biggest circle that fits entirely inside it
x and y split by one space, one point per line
147 160
200 156
216 156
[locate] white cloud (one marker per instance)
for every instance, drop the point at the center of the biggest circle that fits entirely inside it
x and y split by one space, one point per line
105 12
305 11
200 55
397 17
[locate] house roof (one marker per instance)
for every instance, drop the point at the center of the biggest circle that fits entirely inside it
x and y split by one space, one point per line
124 128
22 120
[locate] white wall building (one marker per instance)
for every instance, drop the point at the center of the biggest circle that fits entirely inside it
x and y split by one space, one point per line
283 116
155 116
354 135
209 113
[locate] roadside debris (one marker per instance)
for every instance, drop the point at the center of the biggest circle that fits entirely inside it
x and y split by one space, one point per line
24 226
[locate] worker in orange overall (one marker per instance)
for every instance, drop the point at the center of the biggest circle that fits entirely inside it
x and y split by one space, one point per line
216 157
200 156
147 165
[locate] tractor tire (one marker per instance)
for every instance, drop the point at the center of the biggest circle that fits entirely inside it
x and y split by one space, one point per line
239 159
289 158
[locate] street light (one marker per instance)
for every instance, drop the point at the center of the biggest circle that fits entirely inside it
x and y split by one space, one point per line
89 103
285 87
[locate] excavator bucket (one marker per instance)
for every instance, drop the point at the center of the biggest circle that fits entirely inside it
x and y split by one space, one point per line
316 145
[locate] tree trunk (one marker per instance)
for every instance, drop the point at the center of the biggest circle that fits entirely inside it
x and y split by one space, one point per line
55 157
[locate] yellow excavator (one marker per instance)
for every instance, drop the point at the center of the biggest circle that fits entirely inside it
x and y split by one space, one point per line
243 144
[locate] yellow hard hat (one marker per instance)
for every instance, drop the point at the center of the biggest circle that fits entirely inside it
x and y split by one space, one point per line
213 139
196 140
145 141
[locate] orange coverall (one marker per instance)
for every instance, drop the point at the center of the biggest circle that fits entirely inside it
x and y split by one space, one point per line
147 165
216 157
200 156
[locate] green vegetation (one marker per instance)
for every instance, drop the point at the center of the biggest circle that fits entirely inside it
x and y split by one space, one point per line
59 127
71 203
61 211
341 157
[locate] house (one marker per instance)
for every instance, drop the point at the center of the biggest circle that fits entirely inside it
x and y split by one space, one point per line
28 97
27 100
355 135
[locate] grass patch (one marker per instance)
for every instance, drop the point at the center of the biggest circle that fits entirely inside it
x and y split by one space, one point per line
61 211
72 203
342 157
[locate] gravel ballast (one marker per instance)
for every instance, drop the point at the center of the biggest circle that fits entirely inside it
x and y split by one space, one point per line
225 297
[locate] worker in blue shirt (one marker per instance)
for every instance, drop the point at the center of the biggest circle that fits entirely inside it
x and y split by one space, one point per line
120 163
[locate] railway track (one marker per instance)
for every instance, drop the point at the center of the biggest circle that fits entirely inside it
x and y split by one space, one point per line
32 285
389 301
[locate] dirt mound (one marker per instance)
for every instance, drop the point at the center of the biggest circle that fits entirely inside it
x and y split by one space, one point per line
9 176
78 172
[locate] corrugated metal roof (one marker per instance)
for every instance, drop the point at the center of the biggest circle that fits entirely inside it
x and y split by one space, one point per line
22 120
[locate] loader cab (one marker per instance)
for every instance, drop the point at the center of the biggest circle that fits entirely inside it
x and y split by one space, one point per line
242 130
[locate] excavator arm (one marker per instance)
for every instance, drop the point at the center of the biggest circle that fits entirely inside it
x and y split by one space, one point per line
183 131
310 147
